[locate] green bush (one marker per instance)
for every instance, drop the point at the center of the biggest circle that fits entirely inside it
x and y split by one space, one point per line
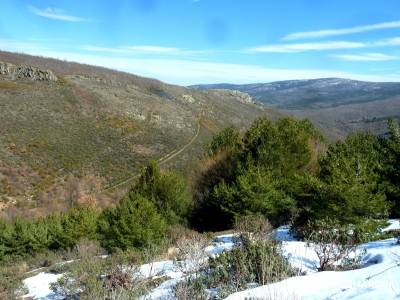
138 220
78 223
254 173
348 186
255 191
390 159
259 262
167 190
135 223
24 237
282 147
228 139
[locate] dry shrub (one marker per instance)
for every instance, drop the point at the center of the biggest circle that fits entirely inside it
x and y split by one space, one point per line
253 227
120 277
189 290
256 263
10 280
336 245
260 262
88 248
60 195
176 232
191 254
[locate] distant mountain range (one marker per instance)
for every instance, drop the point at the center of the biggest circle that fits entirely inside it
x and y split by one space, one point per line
313 93
339 106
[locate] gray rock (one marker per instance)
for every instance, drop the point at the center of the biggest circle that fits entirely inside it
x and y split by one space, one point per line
14 72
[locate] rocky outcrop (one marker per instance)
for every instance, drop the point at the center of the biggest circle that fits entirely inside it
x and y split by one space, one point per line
14 72
240 96
188 98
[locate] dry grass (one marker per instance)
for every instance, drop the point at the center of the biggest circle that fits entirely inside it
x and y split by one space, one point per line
110 123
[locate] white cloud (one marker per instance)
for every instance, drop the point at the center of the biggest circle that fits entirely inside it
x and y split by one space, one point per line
388 42
17 46
342 31
145 49
186 72
320 46
104 49
365 57
302 47
56 14
153 49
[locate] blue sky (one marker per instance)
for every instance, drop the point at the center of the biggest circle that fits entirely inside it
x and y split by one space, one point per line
209 41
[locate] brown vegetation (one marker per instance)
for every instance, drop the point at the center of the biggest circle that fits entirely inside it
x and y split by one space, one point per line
97 122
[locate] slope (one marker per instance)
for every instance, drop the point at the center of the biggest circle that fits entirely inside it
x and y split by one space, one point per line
92 128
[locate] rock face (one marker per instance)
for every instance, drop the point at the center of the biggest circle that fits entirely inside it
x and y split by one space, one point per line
14 72
188 98
240 96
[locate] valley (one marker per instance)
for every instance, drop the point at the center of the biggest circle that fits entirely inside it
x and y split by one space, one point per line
338 106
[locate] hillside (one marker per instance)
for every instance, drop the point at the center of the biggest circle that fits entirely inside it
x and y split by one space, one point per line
339 106
79 129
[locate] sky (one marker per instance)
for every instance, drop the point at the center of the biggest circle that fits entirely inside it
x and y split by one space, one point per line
212 41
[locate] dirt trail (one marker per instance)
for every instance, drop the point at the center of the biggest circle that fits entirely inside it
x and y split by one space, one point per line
165 158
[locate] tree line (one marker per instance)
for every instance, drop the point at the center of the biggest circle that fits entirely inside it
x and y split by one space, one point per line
284 171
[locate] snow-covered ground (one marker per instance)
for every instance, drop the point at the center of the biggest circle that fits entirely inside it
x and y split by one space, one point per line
39 286
379 279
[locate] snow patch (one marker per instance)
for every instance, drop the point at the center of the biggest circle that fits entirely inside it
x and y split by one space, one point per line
39 286
379 279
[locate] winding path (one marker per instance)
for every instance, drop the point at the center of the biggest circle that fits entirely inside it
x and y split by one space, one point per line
163 159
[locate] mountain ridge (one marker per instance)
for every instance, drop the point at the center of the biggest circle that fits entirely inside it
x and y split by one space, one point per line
338 106
312 93
95 127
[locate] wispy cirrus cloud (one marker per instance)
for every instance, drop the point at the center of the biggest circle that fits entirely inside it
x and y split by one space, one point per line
21 46
154 49
302 47
323 46
56 14
388 42
365 57
144 49
341 31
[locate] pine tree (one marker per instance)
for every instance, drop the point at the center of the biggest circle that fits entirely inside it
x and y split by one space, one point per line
167 190
390 155
350 172
135 223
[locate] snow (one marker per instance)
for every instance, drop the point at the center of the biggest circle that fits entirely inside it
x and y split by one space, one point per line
221 243
165 268
158 268
394 225
39 286
378 279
